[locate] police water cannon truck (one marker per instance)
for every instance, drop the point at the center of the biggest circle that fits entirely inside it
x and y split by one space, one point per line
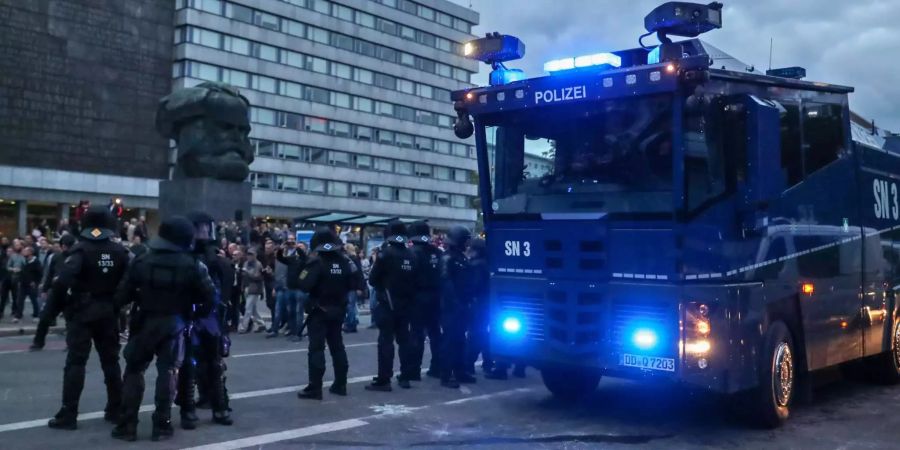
702 224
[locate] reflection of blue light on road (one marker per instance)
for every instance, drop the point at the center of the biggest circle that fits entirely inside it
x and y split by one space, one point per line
512 325
644 338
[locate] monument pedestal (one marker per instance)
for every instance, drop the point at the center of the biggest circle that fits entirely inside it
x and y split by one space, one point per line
223 200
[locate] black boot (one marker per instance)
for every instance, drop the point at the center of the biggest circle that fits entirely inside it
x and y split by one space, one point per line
379 385
310 393
65 419
126 431
338 389
448 383
189 419
222 418
111 415
162 428
404 383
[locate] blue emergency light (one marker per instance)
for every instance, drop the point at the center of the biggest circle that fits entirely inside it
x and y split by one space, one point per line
594 60
644 338
512 325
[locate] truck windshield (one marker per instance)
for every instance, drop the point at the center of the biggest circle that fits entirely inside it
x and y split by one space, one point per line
609 156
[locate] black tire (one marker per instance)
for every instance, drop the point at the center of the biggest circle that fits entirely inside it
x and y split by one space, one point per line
770 402
570 384
885 368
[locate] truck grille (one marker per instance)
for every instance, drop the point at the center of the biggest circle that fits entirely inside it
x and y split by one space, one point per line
530 308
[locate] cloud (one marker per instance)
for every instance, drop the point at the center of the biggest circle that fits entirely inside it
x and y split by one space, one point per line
853 43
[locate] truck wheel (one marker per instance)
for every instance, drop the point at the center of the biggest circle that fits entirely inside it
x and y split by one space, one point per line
771 400
885 368
569 384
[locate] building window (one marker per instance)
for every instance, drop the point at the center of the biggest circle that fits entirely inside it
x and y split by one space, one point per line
426 117
316 125
385 109
424 90
295 28
265 116
266 20
340 159
407 60
361 190
404 140
287 183
289 89
363 76
461 175
293 59
823 135
207 38
321 6
289 151
427 39
441 199
404 195
405 113
444 19
385 137
340 129
210 6
342 70
403 167
442 69
363 133
265 84
406 86
384 165
385 193
459 201
238 12
318 65
264 181
442 147
313 185
387 54
385 81
423 197
318 156
290 120
460 150
342 41
340 100
342 12
424 143
363 104
237 45
365 19
318 35
236 78
265 148
423 170
338 188
363 161
441 95
365 48
266 52
442 173
317 95
386 26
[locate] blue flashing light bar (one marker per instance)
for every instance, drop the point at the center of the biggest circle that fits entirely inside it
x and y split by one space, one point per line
597 59
653 56
503 76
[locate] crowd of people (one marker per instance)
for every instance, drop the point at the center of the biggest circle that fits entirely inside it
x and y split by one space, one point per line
419 288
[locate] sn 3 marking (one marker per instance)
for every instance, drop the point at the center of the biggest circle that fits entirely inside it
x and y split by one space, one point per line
517 248
887 205
560 94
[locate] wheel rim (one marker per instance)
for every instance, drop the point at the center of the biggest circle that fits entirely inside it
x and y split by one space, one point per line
783 376
896 349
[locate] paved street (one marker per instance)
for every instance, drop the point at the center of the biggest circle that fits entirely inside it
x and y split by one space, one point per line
264 375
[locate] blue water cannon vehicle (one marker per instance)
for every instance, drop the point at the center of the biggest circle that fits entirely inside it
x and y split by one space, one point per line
698 222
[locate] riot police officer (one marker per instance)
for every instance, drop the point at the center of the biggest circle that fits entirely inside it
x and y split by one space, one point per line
328 278
53 307
392 276
456 297
205 340
168 283
86 285
479 323
426 318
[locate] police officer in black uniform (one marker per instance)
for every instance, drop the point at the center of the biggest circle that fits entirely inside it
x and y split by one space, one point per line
86 285
205 339
393 278
328 277
478 337
456 301
168 283
426 319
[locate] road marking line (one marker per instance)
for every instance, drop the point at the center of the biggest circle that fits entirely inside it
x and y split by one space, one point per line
271 438
148 408
255 441
297 350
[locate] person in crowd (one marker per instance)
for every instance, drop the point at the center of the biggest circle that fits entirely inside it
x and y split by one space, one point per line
86 285
31 279
15 262
456 299
352 319
293 257
268 260
252 271
478 338
5 280
137 245
235 306
392 278
167 284
426 319
55 303
327 278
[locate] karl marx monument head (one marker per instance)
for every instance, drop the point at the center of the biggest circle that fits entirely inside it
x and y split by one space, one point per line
210 124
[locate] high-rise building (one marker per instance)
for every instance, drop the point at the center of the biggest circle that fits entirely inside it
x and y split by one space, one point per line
351 107
351 101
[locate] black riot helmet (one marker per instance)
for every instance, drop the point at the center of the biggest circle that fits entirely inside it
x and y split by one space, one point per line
458 237
97 223
176 233
204 225
325 240
419 232
395 232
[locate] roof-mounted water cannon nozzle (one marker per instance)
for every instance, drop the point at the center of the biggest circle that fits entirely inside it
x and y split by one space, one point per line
680 19
494 49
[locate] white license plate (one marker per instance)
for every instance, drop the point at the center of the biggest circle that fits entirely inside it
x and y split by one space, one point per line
648 362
